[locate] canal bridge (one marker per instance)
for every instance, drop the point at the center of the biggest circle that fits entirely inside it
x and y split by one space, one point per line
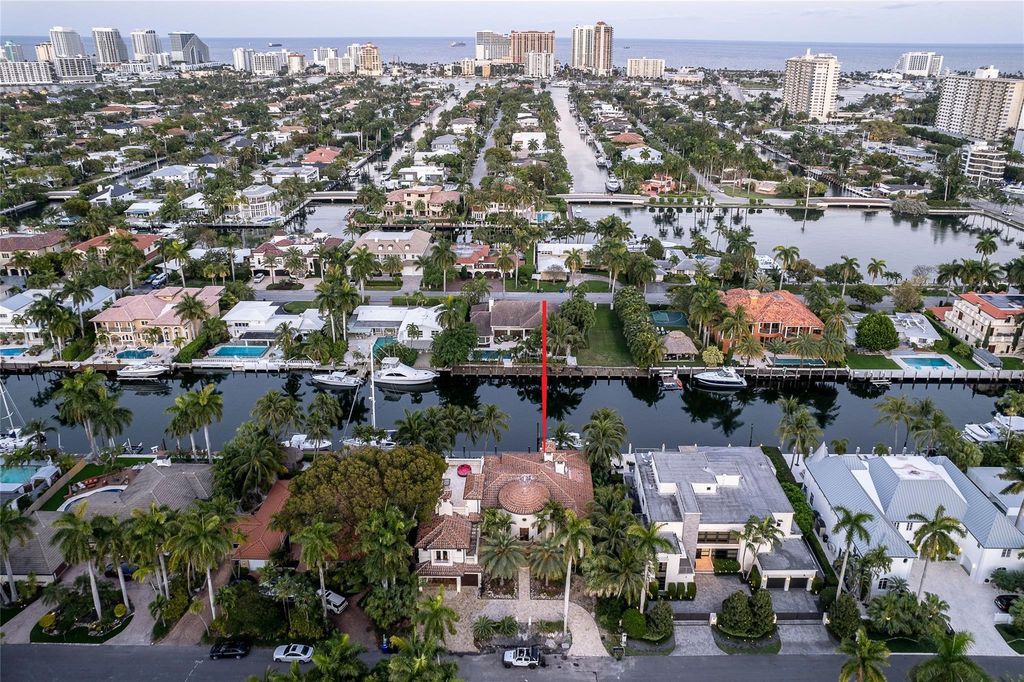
606 199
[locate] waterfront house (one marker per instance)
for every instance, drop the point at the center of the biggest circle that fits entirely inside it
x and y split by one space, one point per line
14 311
105 196
447 545
641 154
148 244
703 496
259 540
278 246
421 175
39 556
396 322
479 258
913 329
988 481
129 321
523 141
260 319
499 321
321 156
408 246
173 485
449 144
275 175
213 161
185 175
891 488
772 315
420 201
551 258
658 184
258 203
463 125
32 244
990 321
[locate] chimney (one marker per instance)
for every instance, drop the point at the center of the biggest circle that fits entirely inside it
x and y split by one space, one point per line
560 467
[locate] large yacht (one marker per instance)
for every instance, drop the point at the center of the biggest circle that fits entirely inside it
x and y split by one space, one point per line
723 378
338 379
301 441
393 373
612 184
994 431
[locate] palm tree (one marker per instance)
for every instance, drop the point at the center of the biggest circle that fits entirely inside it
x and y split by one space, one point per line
149 531
417 659
603 435
361 264
786 256
501 555
1014 474
382 540
444 259
191 310
206 407
876 268
492 422
895 410
800 432
174 250
648 542
276 411
853 526
256 457
74 538
437 619
805 346
749 348
756 534
934 538
78 293
986 245
547 559
450 313
338 659
112 542
866 658
574 261
201 541
317 548
575 538
847 268
951 662
735 323
13 528
506 260
79 395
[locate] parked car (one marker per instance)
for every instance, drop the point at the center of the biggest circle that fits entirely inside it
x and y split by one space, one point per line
127 569
286 653
335 602
1005 601
159 280
258 277
524 657
235 648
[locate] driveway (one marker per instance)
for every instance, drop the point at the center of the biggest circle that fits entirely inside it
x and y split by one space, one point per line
970 604
711 592
805 638
695 640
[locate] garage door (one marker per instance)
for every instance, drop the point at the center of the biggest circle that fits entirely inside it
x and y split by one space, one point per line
776 583
471 580
798 583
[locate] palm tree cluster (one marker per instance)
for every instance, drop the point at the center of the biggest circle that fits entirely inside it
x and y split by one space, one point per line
438 428
798 430
86 401
193 411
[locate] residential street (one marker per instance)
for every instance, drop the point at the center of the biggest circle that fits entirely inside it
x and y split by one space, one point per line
580 157
48 662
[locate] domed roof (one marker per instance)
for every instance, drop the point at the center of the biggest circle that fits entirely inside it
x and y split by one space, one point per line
523 496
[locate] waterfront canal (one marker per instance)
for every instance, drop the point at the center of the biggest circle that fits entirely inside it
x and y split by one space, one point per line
652 416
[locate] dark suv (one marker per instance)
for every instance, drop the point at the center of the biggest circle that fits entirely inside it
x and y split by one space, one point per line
235 648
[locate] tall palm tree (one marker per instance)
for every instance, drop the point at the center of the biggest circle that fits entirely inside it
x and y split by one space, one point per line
78 293
437 619
492 422
951 662
451 313
547 559
443 259
191 310
257 458
150 529
74 538
276 411
758 533
112 542
604 436
853 526
111 419
848 268
317 547
986 245
79 395
876 268
895 410
575 538
1014 474
501 555
933 540
13 528
338 659
574 261
800 432
201 541
382 540
648 542
208 407
183 419
866 658
174 250
786 257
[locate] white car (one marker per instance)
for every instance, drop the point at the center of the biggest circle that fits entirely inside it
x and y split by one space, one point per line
286 653
335 602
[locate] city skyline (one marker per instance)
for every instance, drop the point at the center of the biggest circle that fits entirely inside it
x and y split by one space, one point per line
908 22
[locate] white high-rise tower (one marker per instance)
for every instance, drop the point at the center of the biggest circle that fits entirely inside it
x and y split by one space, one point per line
66 42
110 47
145 42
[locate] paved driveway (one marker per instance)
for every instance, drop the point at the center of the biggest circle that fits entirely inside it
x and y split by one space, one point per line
970 604
711 592
805 638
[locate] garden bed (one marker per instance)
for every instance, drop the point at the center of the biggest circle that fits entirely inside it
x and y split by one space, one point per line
555 589
493 589
1014 637
78 635
737 645
284 286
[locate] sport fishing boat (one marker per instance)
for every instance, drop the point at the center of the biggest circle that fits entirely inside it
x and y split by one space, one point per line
994 431
612 184
393 373
301 441
724 378
146 370
338 379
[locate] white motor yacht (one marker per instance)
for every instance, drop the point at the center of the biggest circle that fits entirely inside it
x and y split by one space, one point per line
385 443
14 439
994 431
724 378
393 373
338 379
146 370
300 441
612 184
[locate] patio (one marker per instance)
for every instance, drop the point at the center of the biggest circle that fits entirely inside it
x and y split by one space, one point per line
711 592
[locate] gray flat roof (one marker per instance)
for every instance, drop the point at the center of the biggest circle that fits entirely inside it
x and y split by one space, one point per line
792 555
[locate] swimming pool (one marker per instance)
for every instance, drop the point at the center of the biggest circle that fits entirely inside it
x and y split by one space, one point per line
927 362
11 352
491 355
240 351
382 342
17 475
798 362
134 354
671 318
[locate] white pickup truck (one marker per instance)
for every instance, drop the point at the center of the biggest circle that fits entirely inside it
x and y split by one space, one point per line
524 657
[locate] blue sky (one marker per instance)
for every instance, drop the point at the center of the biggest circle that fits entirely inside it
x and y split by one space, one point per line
879 21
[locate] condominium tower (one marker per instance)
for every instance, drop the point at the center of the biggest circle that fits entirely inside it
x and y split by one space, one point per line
592 49
923 64
525 42
145 42
66 42
241 58
110 47
12 52
370 63
540 65
491 45
984 107
811 85
44 52
645 68
188 48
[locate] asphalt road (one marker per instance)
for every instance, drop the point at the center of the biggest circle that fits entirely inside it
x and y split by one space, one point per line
48 662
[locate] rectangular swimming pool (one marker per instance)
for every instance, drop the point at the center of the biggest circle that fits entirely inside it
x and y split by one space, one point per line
240 351
11 352
798 362
927 362
16 475
134 354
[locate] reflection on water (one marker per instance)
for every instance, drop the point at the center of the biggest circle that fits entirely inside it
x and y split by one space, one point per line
652 416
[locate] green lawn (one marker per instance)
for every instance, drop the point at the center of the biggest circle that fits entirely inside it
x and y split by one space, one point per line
88 471
1012 363
859 361
298 307
606 346
1013 636
587 286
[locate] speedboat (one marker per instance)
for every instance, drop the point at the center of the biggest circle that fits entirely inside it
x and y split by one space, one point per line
146 370
612 184
726 377
338 379
994 431
14 440
393 373
385 443
300 441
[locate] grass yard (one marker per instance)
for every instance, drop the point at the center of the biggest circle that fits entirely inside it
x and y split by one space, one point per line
587 286
79 635
606 346
1013 636
298 307
88 471
863 361
1012 363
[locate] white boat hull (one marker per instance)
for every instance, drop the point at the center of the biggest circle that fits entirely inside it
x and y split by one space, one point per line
721 379
338 380
148 372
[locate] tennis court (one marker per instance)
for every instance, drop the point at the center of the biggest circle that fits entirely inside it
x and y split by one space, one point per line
668 318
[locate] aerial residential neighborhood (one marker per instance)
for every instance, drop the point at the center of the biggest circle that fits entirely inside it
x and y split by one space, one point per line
613 342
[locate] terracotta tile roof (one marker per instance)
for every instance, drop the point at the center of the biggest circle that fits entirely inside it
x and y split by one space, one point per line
774 306
474 487
322 155
31 242
260 540
939 311
157 306
628 138
430 570
143 242
989 308
528 473
446 531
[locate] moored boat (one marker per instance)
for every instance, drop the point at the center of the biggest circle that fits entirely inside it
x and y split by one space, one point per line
146 370
995 431
393 373
338 379
723 378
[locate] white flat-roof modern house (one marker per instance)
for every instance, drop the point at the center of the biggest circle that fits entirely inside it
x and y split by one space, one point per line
385 320
703 496
264 317
893 487
913 329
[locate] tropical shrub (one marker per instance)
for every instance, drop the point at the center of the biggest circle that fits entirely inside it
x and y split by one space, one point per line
725 566
634 624
827 597
506 627
483 629
1009 581
876 332
735 617
691 591
659 621
608 612
762 613
120 611
1017 614
712 357
638 329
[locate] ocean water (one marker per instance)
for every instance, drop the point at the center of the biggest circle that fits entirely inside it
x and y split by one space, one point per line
676 53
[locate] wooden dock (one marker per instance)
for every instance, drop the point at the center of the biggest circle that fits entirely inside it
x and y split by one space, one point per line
561 371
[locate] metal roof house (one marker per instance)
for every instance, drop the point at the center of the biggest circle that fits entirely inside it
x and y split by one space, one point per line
894 487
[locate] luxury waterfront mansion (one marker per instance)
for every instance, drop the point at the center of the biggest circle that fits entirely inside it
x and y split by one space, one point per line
151 319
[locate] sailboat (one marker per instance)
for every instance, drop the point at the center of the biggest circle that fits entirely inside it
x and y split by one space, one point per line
11 436
384 443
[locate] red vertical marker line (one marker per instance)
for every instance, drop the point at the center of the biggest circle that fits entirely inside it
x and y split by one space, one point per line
543 374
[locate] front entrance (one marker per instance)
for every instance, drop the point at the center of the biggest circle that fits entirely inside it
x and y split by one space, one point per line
524 533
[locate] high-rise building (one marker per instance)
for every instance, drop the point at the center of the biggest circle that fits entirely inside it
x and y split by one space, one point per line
44 52
811 85
522 43
25 73
145 42
13 52
540 64
322 54
923 64
370 63
491 45
75 69
342 64
645 68
66 42
296 62
241 58
110 47
982 163
268 63
160 60
984 107
592 49
188 48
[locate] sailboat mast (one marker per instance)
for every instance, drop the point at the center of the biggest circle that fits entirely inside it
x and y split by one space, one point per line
373 394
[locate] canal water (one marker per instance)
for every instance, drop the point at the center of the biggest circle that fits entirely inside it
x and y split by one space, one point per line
652 416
